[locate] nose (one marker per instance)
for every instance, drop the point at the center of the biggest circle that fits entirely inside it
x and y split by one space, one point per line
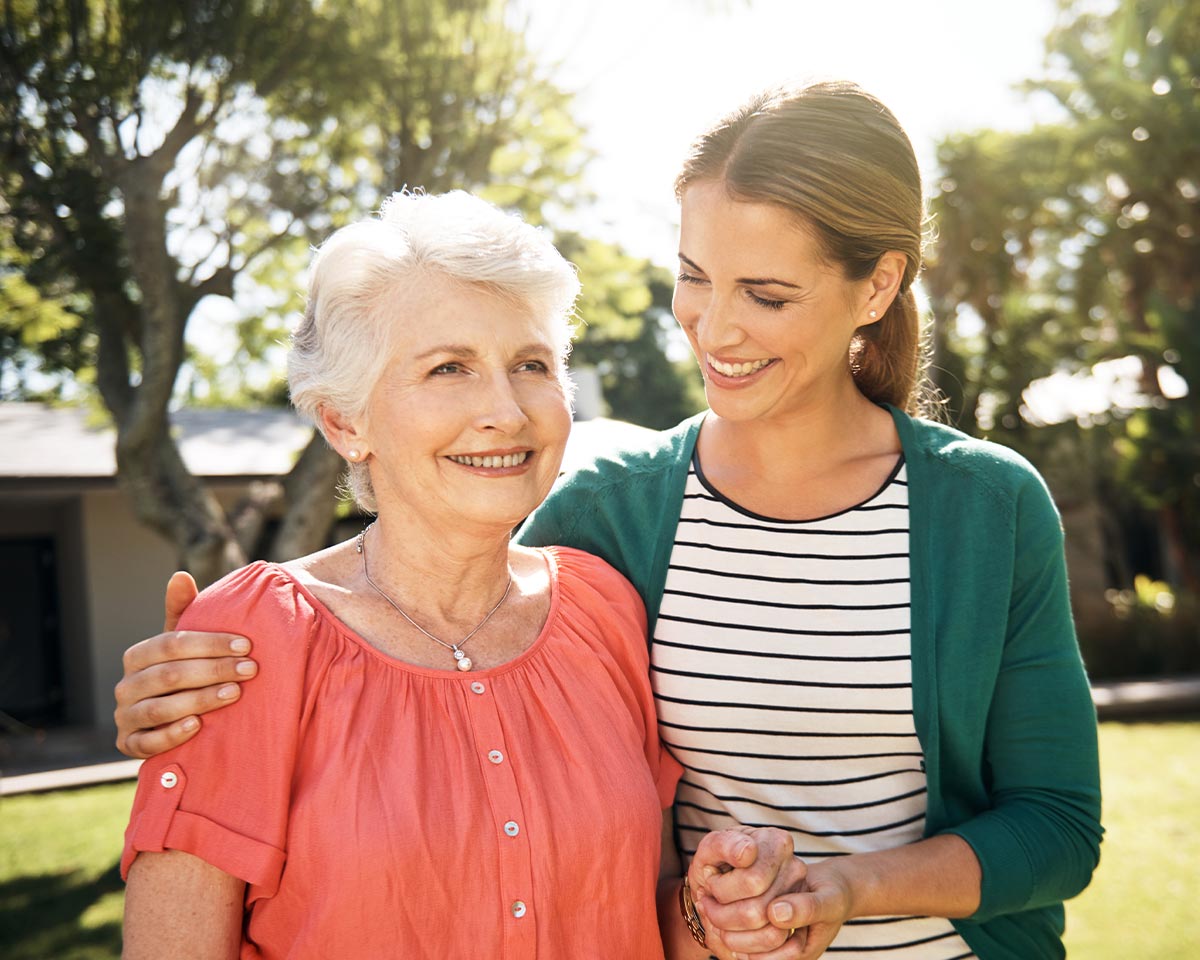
500 407
709 321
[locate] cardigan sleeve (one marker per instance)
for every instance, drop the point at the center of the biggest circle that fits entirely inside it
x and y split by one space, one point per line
1038 844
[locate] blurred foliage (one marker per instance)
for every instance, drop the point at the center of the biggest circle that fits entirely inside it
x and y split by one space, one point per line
1078 243
156 155
625 309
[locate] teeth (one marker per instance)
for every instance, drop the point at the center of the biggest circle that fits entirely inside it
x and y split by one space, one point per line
736 369
508 460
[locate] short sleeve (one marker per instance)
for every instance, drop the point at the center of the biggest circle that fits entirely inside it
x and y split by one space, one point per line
224 795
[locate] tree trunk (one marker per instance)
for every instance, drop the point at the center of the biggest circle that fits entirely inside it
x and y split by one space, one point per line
311 497
166 498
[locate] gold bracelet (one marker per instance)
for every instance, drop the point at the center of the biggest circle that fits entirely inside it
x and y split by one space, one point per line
690 917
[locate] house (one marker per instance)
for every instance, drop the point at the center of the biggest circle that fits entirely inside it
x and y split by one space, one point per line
81 578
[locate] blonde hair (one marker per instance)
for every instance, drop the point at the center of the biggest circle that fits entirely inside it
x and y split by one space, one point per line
836 157
345 340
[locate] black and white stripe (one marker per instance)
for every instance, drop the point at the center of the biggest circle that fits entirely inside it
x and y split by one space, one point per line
781 665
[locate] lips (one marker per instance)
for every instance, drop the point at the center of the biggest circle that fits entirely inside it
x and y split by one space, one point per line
492 461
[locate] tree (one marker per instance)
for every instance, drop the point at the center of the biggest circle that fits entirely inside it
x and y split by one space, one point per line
627 324
1079 242
156 154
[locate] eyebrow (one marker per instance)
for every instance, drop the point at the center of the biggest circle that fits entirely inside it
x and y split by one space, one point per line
463 351
748 281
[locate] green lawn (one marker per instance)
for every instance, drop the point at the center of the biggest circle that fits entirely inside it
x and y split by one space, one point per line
60 892
1142 900
60 895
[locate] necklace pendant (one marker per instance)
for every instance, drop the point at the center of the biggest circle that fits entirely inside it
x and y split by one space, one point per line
464 664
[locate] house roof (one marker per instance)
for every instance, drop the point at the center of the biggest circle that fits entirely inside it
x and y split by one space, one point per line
61 442
43 442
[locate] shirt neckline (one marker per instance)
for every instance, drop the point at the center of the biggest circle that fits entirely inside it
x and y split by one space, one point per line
464 676
747 512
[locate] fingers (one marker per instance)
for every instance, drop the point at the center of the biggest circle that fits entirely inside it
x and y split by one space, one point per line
154 702
720 851
181 591
148 727
182 645
142 744
767 941
772 870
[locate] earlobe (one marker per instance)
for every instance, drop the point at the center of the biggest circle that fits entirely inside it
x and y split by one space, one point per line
342 435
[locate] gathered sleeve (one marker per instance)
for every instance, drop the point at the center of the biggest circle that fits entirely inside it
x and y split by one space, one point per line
224 795
1039 842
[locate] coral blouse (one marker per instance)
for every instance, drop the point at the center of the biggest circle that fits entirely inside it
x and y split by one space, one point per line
378 809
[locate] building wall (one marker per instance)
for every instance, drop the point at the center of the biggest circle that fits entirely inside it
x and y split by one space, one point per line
127 568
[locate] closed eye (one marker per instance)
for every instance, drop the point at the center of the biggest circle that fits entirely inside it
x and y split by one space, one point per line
688 278
765 302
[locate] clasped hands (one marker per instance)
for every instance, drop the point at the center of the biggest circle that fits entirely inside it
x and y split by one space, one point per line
757 899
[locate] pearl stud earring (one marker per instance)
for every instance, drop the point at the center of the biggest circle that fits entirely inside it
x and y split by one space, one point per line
872 314
353 454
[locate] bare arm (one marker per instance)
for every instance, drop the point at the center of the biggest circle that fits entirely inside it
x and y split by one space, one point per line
172 678
179 906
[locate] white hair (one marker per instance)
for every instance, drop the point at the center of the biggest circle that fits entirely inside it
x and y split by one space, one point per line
344 342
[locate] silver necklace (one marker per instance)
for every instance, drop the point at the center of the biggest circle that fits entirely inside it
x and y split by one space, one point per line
463 662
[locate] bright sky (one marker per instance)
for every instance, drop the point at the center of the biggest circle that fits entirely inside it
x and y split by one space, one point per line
650 74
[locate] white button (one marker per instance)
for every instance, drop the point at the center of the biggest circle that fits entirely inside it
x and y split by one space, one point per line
168 779
511 828
496 756
477 687
518 909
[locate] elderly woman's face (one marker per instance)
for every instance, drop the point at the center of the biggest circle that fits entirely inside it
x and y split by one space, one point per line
469 422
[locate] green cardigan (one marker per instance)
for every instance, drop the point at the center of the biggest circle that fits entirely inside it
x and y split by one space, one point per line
1000 698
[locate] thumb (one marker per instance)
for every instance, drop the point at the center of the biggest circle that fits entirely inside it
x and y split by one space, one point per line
181 591
821 905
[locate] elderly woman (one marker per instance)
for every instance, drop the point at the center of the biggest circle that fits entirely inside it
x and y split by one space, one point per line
450 750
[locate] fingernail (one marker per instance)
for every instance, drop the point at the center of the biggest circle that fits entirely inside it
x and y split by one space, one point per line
190 724
228 692
247 668
741 848
781 912
708 871
240 645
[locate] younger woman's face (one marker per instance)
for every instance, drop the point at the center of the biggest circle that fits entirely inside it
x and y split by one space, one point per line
770 322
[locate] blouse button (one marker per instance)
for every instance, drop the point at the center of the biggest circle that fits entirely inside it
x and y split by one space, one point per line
518 909
477 687
511 828
168 779
496 756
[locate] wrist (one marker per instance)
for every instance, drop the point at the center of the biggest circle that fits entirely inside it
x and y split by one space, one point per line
677 939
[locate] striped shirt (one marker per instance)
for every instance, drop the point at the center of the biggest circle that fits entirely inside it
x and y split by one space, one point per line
781 666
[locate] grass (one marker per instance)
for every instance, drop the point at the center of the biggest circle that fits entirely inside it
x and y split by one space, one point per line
1142 900
61 896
